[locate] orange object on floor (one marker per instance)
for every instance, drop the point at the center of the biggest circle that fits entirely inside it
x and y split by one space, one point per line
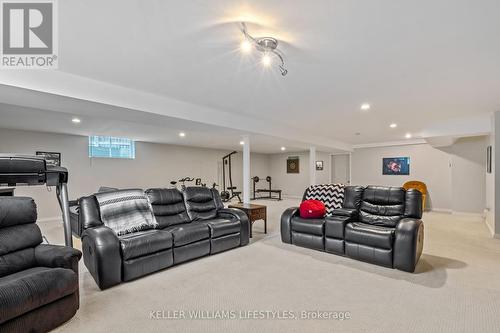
418 185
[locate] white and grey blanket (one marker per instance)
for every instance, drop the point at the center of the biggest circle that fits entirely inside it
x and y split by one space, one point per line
126 211
331 195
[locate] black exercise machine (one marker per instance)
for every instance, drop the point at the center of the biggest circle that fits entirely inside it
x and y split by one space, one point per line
183 181
269 190
18 170
228 192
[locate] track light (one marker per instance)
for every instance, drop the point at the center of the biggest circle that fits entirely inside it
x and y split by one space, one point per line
266 45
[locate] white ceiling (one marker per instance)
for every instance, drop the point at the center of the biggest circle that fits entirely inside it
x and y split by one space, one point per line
425 65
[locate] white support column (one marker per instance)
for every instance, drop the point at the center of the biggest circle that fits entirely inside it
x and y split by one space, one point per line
312 165
246 170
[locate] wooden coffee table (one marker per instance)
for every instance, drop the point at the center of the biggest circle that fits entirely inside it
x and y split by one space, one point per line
254 213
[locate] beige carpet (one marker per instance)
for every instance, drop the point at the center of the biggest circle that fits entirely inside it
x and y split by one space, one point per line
456 287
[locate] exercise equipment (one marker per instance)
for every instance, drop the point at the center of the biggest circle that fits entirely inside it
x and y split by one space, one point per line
270 191
228 192
198 182
19 170
184 180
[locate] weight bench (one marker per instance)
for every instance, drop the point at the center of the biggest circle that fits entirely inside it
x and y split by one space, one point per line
269 190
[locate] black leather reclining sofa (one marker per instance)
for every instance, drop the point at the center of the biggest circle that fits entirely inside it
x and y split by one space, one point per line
191 224
376 224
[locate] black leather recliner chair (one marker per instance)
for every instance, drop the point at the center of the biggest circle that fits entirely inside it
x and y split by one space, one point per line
191 224
376 224
38 282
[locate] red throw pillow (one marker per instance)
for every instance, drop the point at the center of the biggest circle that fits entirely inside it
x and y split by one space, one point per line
312 209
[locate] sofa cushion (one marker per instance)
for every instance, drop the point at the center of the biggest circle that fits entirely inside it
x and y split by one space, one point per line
367 234
200 203
223 226
308 226
168 206
29 289
189 233
19 237
17 210
142 243
382 206
17 261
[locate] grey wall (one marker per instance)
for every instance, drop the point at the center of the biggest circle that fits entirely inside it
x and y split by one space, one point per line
293 185
155 165
455 175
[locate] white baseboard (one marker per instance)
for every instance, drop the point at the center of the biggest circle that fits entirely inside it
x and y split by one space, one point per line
454 212
440 210
480 215
292 196
492 232
49 219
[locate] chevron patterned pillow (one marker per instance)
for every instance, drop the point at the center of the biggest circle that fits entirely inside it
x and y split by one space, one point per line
332 195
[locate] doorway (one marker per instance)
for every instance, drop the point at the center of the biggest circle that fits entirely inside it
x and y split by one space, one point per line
341 169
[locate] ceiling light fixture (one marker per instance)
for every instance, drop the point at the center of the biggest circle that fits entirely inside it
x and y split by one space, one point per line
266 45
408 135
283 148
246 46
365 106
266 60
182 134
242 143
393 125
76 120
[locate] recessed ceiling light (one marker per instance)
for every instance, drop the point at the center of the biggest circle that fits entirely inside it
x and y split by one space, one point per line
242 143
76 120
408 135
283 148
357 133
365 106
393 125
245 46
266 60
182 134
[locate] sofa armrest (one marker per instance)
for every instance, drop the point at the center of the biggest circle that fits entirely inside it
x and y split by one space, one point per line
242 217
286 220
408 244
57 256
101 255
351 213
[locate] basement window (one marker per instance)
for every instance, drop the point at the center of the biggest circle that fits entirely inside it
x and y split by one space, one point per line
111 147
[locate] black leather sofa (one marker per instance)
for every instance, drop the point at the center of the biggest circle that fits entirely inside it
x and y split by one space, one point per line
191 224
38 282
74 212
376 224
